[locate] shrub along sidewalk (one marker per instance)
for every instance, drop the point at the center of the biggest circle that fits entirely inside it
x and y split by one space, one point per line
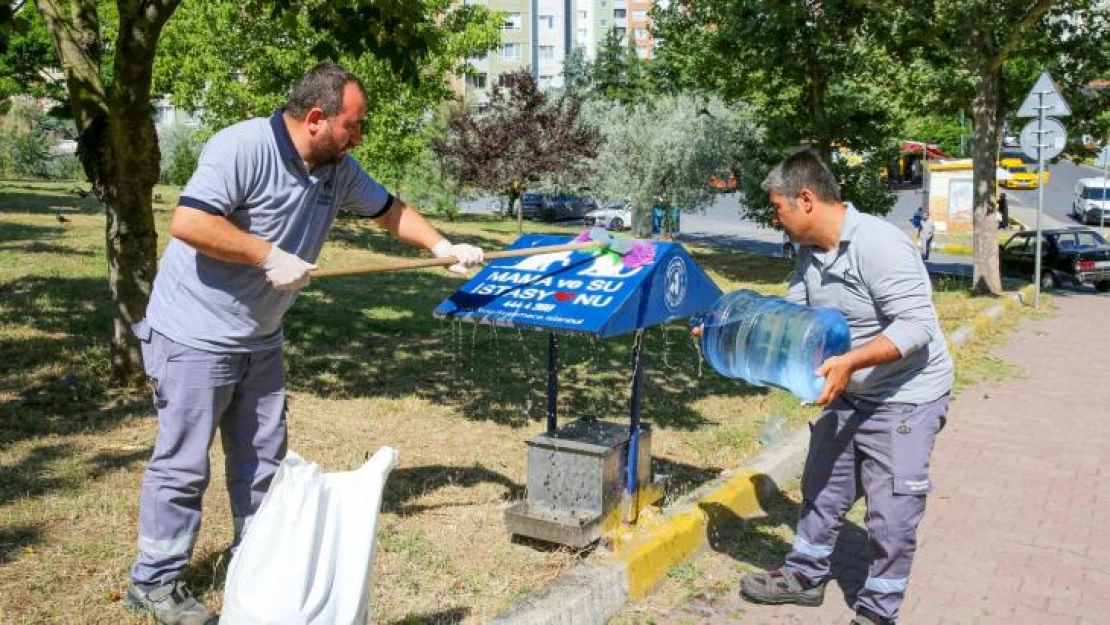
368 366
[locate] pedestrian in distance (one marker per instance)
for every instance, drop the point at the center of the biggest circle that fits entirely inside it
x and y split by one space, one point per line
915 221
661 216
884 401
671 222
928 233
1003 212
248 227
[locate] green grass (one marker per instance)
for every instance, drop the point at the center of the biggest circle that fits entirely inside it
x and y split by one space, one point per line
368 365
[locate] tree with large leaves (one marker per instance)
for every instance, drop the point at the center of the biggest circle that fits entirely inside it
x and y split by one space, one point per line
263 57
522 137
111 106
26 56
811 70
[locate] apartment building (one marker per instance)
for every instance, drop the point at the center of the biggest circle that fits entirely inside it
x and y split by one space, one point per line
538 34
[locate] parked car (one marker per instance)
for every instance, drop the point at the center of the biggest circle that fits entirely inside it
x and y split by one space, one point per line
1068 255
531 204
564 207
613 216
1091 204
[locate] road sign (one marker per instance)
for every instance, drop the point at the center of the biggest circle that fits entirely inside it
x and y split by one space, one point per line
1051 138
1044 96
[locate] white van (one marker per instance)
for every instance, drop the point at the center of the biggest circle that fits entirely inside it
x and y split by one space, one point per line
1092 201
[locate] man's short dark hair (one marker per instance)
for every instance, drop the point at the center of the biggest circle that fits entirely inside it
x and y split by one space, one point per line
803 170
321 87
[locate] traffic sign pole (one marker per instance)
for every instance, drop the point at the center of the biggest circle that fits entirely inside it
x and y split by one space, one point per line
1040 198
1103 160
1044 98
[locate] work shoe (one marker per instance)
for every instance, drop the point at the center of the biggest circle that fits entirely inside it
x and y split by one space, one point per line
169 604
867 617
778 586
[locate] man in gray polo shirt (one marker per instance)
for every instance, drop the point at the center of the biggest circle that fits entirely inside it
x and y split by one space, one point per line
249 225
885 400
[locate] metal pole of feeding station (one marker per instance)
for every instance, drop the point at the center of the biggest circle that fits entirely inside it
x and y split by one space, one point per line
552 381
631 510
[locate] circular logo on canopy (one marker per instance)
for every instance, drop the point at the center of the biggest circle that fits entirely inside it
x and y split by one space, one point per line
676 279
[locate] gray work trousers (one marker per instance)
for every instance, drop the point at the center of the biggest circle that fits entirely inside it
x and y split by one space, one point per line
881 452
196 392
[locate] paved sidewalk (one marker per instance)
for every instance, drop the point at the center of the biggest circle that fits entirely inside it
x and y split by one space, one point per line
1018 528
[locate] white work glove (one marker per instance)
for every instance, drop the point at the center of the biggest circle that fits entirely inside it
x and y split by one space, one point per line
467 255
286 271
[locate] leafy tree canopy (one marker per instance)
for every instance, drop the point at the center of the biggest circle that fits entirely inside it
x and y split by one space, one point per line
1015 39
952 135
248 70
691 139
522 137
618 73
405 34
27 55
811 68
812 72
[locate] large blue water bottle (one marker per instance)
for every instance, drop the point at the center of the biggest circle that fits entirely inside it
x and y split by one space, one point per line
770 341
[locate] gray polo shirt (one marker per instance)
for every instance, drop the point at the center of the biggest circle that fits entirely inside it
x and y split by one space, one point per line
251 174
876 278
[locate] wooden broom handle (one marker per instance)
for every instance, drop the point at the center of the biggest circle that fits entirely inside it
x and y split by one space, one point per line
447 261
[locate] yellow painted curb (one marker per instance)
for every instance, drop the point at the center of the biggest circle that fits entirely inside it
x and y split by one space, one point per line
1025 295
982 322
658 542
958 249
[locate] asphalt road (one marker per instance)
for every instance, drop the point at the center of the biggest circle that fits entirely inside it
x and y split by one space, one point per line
721 224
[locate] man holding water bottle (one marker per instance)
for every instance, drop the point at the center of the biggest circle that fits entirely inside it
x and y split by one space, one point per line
885 400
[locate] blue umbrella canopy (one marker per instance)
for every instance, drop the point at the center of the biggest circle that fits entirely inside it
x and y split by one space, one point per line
583 292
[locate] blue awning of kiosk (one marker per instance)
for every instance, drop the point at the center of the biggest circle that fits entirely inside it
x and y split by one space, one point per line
582 292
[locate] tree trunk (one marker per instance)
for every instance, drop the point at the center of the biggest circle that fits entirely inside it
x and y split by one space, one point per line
131 236
514 195
118 148
984 143
516 190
